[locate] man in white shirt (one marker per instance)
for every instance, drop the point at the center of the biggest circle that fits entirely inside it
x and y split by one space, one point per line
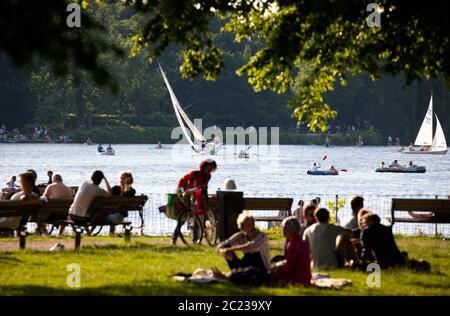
351 221
86 194
315 167
328 249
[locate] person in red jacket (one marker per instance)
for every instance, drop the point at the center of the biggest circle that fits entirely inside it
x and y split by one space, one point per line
198 179
296 268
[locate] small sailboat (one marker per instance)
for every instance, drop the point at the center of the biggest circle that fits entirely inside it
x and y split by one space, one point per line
199 144
436 145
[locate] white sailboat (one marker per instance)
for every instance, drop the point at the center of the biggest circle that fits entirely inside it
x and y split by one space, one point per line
434 145
199 144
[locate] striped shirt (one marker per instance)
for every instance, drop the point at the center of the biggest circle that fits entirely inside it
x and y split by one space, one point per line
260 243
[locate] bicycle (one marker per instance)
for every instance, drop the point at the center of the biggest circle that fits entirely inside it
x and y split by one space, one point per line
196 226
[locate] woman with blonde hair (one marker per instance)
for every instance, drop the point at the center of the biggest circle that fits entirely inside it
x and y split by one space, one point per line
124 189
229 184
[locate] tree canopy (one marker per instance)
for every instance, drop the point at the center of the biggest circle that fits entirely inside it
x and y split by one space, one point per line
331 39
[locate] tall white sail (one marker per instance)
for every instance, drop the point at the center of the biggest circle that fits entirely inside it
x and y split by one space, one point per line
439 137
425 136
176 107
197 134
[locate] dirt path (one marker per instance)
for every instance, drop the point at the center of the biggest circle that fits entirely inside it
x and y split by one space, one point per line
46 244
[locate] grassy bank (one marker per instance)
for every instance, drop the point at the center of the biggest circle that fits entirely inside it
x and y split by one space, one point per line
146 135
144 267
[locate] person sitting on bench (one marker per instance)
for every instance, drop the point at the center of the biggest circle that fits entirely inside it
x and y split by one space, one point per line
86 194
124 189
26 194
251 241
57 190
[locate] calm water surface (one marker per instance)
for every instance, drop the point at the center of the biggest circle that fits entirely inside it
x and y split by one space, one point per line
269 170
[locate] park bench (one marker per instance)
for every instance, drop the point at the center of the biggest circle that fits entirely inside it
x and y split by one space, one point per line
55 211
268 204
437 211
21 209
262 204
101 207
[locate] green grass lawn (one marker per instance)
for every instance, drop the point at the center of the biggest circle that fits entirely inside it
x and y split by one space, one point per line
145 266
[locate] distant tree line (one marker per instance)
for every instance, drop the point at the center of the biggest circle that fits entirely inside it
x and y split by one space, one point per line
77 102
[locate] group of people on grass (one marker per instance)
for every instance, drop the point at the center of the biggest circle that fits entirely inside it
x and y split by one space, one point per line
311 243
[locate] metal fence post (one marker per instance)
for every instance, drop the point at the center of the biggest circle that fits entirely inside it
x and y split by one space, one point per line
435 225
337 221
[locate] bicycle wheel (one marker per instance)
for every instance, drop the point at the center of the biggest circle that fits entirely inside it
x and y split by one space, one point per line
192 227
210 228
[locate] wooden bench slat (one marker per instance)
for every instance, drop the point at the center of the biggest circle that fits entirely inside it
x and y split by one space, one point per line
439 207
420 205
268 218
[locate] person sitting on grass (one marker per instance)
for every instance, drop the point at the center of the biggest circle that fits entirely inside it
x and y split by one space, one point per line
296 268
356 238
249 240
27 181
308 218
298 212
124 189
86 194
329 244
378 242
351 222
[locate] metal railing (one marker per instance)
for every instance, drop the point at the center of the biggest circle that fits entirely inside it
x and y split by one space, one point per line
157 224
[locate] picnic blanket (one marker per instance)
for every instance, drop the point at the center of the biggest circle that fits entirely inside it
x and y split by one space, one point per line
324 281
320 280
199 276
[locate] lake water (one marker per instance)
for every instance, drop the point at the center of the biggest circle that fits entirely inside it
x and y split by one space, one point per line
270 170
